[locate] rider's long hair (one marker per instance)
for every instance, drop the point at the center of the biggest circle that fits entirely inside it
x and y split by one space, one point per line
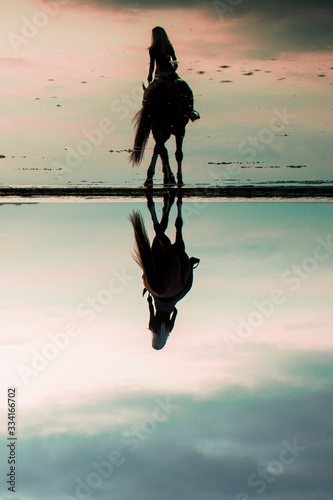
160 40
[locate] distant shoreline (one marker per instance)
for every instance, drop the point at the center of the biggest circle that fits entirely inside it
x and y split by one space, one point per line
303 191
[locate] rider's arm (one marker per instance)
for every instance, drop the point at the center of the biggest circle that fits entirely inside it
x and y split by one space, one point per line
173 57
151 66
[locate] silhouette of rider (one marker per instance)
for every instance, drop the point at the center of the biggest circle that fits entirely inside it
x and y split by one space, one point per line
163 66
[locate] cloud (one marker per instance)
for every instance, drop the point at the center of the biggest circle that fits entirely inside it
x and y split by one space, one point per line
208 447
278 25
291 27
273 8
231 8
146 4
277 8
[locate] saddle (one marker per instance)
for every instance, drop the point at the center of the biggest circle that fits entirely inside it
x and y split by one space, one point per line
175 88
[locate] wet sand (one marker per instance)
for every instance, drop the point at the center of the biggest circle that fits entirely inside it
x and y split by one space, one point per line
318 191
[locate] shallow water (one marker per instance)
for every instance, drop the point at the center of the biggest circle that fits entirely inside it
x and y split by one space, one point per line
245 374
67 120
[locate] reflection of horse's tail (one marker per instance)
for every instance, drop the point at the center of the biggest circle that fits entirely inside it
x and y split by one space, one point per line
142 131
142 252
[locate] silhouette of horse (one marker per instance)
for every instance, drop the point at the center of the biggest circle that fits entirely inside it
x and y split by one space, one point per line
167 269
165 111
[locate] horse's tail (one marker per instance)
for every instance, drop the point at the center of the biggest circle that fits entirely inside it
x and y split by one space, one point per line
142 252
142 131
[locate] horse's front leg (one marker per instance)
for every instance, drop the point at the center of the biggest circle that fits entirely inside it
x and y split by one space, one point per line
179 155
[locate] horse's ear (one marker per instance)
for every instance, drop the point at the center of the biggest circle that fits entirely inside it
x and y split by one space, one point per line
143 86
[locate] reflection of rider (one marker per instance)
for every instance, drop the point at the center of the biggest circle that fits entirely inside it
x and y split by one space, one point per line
166 311
163 60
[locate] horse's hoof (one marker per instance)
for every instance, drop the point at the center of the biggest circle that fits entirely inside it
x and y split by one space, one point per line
149 197
169 181
180 182
148 182
169 197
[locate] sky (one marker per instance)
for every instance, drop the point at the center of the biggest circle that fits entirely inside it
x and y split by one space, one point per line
71 67
245 375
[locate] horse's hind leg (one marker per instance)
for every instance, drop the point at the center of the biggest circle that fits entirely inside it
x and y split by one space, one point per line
179 155
160 227
151 208
151 169
179 224
168 177
168 201
161 139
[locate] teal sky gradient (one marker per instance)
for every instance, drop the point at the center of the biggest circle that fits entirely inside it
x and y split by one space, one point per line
233 403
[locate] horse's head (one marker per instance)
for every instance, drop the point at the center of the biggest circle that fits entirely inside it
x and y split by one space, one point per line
161 325
160 337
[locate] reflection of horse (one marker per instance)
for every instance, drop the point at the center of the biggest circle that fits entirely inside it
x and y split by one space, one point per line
167 269
165 111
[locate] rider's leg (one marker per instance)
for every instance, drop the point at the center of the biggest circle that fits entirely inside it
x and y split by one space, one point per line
193 115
